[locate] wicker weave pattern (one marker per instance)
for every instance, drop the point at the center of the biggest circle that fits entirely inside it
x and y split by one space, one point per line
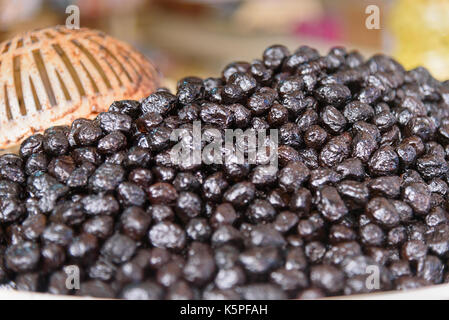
55 75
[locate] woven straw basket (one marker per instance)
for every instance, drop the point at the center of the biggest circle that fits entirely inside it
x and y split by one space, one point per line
52 76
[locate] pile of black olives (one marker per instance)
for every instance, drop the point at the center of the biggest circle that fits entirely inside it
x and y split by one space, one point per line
360 190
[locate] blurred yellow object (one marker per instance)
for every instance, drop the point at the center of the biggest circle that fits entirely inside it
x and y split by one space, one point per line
421 32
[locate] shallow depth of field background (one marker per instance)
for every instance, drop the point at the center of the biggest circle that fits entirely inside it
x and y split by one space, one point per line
198 37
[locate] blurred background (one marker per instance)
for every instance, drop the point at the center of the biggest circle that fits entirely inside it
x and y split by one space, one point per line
199 37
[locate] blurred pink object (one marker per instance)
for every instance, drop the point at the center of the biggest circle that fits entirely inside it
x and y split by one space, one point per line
15 11
325 27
